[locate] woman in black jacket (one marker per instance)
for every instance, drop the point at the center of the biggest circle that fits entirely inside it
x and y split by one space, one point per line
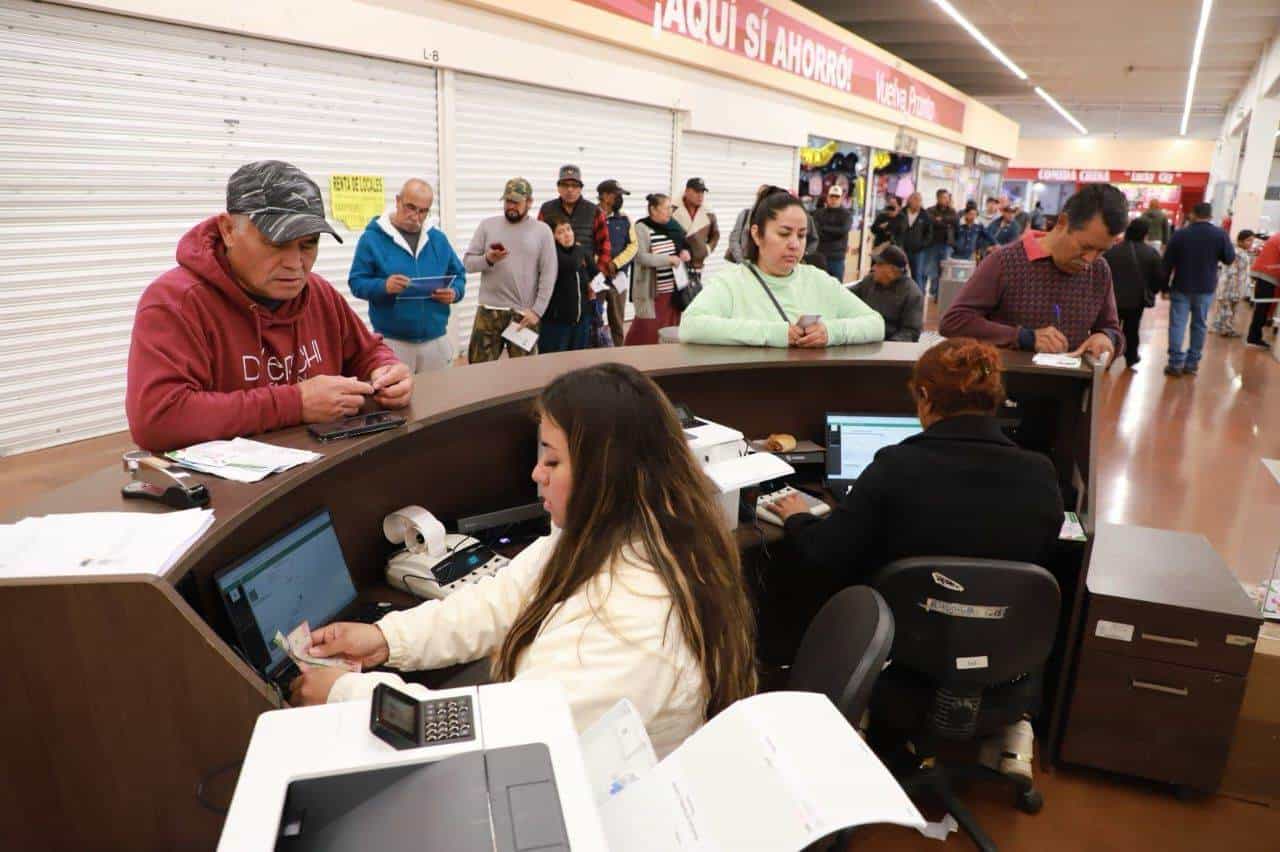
959 488
1135 274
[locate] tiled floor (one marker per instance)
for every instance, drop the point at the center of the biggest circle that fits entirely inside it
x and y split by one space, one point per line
1174 453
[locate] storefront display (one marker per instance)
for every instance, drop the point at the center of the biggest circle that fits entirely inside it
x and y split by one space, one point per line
980 178
1176 192
934 176
825 163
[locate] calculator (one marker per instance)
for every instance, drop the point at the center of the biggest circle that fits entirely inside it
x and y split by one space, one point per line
403 721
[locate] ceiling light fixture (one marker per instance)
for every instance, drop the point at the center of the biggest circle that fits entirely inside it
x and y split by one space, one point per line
1206 6
981 39
1062 112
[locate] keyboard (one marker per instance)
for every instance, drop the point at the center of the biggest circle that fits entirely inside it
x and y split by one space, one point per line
817 507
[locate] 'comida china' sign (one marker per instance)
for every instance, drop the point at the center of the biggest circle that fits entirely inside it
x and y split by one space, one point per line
758 32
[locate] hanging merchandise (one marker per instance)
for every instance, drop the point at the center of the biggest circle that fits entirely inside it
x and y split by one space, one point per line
816 158
881 160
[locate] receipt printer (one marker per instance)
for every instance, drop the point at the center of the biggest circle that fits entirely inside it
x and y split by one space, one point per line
502 799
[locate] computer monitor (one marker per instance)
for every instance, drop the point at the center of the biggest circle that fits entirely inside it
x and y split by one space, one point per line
854 439
300 575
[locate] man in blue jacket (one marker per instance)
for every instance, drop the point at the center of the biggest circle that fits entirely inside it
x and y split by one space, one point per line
401 268
1192 260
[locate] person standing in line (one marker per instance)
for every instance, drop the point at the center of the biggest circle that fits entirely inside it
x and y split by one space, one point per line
1022 218
1191 265
1158 228
1135 276
590 230
917 235
972 240
888 224
740 235
567 323
834 221
945 223
1266 278
990 211
1004 230
516 258
1037 217
622 241
702 230
396 248
660 248
1233 286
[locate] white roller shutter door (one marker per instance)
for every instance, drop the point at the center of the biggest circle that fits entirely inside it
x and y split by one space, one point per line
116 136
504 130
733 170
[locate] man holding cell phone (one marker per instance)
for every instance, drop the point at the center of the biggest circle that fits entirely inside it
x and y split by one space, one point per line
409 274
516 258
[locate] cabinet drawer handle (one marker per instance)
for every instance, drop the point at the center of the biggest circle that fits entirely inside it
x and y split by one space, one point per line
1158 687
1171 640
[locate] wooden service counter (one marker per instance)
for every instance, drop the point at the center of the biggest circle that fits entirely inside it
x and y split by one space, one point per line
122 692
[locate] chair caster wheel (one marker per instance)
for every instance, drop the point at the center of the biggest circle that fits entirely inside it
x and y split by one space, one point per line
1030 801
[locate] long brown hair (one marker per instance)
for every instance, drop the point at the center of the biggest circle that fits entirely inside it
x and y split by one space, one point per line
636 484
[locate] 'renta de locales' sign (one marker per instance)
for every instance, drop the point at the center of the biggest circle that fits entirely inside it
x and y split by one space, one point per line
757 31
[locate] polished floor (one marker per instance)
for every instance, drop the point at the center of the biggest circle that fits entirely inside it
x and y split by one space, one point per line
1179 454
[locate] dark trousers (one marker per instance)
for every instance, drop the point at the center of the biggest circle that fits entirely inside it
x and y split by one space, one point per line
1261 290
1131 320
565 336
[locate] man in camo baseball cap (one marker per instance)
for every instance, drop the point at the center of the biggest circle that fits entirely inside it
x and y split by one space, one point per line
281 201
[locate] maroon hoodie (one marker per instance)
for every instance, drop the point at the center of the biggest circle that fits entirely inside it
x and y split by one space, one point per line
208 362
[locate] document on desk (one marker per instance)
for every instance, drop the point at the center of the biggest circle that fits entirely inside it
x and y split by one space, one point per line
525 338
99 543
775 771
616 751
1049 359
241 459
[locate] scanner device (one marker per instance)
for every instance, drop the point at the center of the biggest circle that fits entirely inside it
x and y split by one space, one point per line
153 479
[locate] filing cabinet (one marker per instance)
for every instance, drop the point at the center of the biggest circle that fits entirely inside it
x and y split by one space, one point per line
1168 639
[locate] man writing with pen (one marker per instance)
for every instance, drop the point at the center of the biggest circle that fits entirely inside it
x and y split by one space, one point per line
242 337
410 275
1051 290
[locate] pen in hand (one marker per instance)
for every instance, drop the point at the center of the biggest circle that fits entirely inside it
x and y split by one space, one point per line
1057 317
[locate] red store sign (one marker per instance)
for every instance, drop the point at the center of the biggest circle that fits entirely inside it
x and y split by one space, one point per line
1194 180
754 30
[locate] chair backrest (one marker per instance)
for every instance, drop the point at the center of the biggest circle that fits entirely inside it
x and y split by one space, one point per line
669 334
844 649
970 622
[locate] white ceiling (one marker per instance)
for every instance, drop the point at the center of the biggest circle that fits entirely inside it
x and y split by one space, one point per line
1119 67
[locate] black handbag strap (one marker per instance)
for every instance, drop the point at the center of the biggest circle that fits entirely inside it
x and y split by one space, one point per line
772 298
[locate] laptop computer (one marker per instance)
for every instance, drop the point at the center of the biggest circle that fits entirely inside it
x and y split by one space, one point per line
300 575
853 441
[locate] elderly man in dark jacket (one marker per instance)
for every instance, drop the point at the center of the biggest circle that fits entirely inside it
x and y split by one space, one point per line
891 292
917 235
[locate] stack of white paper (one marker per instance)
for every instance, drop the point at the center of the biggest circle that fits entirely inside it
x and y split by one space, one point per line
241 459
776 771
99 543
1051 359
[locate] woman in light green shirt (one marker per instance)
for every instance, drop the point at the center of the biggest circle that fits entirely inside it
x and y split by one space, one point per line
737 308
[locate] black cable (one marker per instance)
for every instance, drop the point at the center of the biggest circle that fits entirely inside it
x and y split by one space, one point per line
206 779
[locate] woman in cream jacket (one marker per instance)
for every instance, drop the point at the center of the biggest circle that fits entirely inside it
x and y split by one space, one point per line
637 593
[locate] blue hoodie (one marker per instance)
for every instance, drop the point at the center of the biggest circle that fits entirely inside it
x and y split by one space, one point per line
383 252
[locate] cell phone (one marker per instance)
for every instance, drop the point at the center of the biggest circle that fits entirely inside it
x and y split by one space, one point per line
352 427
497 246
808 320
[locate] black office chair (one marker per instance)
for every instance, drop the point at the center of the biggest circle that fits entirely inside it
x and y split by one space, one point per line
844 649
840 656
972 637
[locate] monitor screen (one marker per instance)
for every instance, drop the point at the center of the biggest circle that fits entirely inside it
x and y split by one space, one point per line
854 439
298 576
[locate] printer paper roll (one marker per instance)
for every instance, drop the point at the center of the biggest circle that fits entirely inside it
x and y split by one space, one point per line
417 528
